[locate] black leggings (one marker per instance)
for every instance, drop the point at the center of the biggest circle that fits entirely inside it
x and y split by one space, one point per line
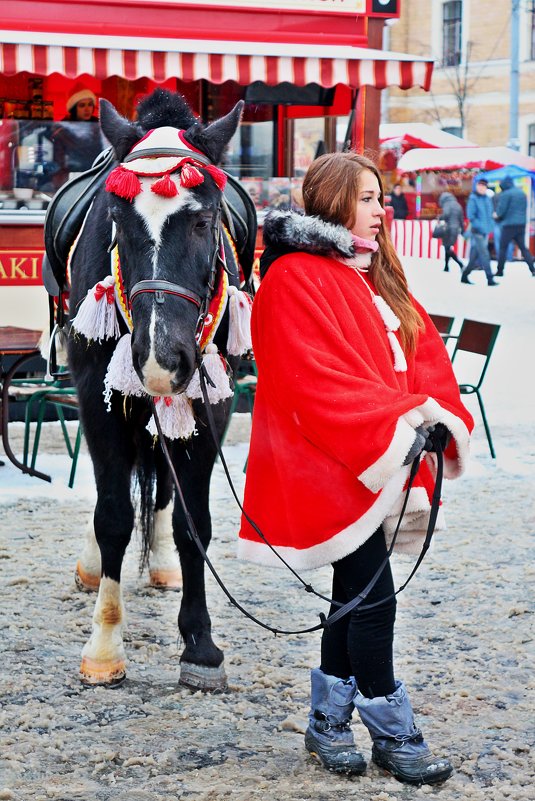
450 254
361 643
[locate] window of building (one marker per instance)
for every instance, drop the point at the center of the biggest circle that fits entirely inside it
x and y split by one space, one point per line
454 130
452 12
531 140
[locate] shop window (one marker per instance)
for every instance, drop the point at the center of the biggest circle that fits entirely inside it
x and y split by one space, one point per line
451 33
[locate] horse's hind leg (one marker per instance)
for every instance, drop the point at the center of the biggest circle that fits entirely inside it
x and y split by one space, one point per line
88 566
164 564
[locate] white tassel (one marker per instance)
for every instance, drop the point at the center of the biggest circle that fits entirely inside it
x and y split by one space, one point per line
239 334
120 374
390 320
97 315
176 417
215 368
400 363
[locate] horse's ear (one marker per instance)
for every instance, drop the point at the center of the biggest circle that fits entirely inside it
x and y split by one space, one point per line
213 139
119 131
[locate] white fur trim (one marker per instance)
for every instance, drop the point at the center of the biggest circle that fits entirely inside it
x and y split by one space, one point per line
360 261
409 540
380 472
429 413
400 362
390 320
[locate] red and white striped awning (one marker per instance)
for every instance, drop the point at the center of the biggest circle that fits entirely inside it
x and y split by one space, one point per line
243 62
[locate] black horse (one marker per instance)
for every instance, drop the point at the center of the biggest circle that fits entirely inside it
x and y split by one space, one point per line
152 277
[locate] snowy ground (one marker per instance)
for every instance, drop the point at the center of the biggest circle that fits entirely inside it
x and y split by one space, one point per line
464 637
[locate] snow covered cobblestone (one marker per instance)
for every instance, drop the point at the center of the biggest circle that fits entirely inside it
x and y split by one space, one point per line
464 641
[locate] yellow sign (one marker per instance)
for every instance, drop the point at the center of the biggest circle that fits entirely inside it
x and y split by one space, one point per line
338 6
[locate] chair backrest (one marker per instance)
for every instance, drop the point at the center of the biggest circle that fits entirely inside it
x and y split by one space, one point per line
477 337
442 323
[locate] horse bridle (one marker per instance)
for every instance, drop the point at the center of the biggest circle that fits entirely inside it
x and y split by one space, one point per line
161 288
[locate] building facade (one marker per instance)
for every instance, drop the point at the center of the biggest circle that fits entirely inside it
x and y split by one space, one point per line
470 41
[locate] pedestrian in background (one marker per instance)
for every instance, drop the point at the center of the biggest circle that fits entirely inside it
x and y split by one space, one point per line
453 218
511 213
479 213
351 374
398 201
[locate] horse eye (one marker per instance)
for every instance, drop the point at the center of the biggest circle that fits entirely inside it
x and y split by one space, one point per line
201 224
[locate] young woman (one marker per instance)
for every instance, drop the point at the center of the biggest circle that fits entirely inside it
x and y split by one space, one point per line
351 375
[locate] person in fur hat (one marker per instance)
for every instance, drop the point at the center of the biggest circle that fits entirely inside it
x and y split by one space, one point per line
77 139
352 376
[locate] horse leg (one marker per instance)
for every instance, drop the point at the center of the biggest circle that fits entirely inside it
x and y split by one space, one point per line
164 564
88 566
103 655
201 663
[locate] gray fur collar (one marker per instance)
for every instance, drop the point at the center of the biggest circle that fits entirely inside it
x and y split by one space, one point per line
297 231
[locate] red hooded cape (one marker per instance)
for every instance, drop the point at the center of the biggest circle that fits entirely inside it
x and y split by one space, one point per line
333 421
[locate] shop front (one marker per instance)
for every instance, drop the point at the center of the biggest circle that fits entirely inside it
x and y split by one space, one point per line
310 74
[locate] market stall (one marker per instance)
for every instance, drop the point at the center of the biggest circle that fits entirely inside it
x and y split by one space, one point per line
310 76
433 171
396 139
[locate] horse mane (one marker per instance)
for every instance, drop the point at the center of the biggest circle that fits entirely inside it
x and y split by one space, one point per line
162 108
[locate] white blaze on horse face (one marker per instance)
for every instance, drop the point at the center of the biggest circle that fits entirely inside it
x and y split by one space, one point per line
156 379
154 211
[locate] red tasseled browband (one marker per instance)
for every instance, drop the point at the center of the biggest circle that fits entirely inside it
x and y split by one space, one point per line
125 182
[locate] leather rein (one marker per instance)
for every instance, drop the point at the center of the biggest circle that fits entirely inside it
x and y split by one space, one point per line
343 609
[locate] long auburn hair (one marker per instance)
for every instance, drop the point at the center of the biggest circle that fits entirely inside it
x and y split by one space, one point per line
330 191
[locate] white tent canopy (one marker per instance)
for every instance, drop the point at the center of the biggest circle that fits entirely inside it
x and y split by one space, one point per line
479 158
419 134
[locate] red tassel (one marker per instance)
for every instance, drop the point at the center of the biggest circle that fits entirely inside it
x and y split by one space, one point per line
123 183
165 187
218 175
190 176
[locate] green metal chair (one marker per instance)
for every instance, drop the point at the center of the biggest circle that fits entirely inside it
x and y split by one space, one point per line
38 393
479 338
59 398
442 323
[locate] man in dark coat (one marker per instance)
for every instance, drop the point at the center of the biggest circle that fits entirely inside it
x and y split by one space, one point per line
398 201
511 213
479 213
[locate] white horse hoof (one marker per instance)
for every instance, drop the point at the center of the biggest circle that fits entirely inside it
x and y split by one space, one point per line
86 582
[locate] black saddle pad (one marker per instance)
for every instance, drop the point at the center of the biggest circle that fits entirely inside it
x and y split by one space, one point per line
66 213
69 206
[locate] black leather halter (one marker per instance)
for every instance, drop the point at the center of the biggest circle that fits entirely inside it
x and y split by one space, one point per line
161 288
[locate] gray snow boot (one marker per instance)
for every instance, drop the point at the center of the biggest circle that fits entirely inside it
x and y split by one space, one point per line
328 736
398 745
